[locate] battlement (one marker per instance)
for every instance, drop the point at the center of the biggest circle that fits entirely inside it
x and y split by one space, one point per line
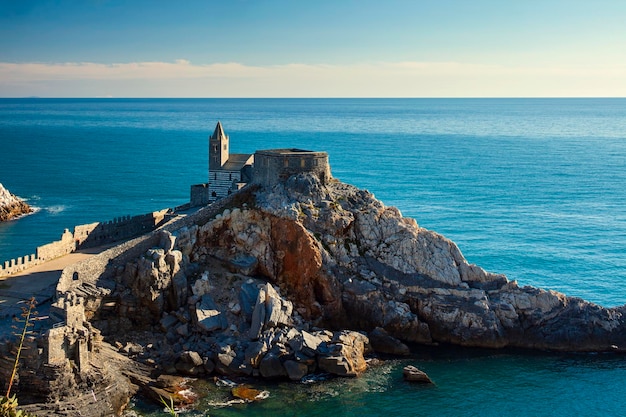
87 236
275 166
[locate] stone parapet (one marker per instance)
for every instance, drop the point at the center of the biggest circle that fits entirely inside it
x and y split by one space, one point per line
274 166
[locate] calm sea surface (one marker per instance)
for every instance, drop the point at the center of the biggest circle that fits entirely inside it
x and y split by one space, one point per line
532 188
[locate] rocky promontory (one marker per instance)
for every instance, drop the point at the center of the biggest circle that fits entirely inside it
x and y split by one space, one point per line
282 282
11 206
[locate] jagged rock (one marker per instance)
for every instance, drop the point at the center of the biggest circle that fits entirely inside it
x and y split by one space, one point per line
248 295
412 374
382 342
132 348
168 321
278 310
248 394
344 354
271 366
305 342
258 316
270 310
231 362
245 265
11 206
255 352
208 317
295 370
192 358
202 285
183 330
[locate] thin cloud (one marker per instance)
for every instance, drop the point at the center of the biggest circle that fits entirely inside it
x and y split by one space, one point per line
182 78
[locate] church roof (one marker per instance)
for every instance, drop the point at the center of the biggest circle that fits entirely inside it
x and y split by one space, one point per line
236 161
218 133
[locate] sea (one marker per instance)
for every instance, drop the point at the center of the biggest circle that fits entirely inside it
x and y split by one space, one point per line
531 188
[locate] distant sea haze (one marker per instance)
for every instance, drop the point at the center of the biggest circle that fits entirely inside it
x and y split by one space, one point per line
532 188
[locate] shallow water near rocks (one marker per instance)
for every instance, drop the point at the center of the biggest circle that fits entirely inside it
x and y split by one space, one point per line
467 383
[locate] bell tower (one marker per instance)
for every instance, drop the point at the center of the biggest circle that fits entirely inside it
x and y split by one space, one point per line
218 148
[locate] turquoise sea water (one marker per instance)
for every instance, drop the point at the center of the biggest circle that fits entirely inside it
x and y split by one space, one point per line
532 188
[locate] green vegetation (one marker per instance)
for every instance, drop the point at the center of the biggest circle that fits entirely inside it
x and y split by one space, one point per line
8 403
169 406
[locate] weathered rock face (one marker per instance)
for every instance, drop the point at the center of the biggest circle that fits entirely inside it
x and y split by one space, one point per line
285 251
11 206
345 259
249 291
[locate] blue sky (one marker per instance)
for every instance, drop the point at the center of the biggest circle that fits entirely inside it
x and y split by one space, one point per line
272 48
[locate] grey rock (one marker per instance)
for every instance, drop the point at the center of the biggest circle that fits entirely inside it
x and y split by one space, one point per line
167 322
382 342
296 370
271 366
192 357
258 316
245 265
208 317
255 352
183 330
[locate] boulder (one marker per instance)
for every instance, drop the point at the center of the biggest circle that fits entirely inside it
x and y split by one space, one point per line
271 366
270 311
295 370
382 342
208 317
344 354
412 374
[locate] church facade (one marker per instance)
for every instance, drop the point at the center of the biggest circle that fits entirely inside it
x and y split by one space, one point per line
228 172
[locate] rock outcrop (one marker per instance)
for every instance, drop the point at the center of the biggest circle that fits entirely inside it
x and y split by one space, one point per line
11 206
306 277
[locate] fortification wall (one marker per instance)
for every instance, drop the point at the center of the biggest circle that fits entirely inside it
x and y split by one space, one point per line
199 195
277 165
88 236
100 269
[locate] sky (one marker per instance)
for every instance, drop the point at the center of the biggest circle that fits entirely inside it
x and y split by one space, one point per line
320 48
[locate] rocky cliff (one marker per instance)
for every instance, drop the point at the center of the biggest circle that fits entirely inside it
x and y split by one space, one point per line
11 206
296 279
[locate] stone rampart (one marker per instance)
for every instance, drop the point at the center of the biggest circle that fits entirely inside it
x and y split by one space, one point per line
100 268
88 236
275 166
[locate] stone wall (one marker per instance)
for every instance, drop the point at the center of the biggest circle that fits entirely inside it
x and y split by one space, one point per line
277 165
221 183
200 195
87 236
101 267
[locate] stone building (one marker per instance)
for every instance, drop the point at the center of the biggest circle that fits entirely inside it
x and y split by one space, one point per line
228 172
273 166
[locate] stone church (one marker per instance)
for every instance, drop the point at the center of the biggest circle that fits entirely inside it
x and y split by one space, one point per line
229 172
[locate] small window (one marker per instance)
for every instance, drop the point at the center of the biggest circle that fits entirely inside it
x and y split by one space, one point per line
302 162
286 163
225 147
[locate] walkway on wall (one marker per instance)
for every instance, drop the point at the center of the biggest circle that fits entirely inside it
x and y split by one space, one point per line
39 281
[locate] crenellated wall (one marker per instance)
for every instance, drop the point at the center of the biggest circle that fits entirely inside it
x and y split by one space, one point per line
88 236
